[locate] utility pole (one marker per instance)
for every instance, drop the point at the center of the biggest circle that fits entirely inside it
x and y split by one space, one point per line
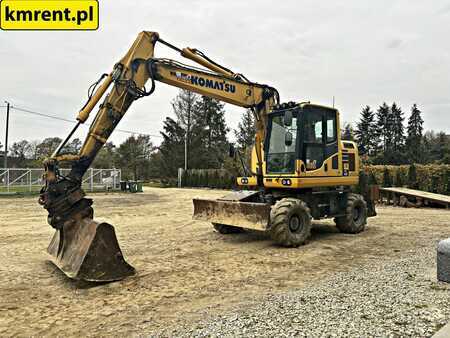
186 151
6 136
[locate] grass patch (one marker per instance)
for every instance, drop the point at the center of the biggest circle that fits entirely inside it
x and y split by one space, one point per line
19 189
24 191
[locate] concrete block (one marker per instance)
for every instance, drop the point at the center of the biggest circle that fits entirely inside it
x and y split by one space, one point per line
443 261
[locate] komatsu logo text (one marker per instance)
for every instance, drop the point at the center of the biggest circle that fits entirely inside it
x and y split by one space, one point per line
202 82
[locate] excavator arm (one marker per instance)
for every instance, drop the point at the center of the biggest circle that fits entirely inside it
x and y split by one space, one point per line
81 247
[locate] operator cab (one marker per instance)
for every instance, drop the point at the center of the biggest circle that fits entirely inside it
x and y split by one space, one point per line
305 132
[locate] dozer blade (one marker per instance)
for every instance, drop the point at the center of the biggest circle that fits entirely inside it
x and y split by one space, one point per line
87 250
236 213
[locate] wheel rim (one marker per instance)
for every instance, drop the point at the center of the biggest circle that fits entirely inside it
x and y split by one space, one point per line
295 224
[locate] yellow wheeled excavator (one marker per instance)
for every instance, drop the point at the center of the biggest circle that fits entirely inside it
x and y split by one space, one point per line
300 167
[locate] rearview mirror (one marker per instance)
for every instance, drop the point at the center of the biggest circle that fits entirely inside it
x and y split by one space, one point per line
287 118
288 139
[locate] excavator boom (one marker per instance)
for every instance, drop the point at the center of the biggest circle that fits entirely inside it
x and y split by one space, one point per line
87 250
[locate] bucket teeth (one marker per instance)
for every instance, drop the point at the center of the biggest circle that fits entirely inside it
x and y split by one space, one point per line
88 250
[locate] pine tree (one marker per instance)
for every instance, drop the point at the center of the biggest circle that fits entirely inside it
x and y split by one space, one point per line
383 125
427 146
398 134
443 148
245 132
170 156
209 133
365 132
183 106
134 155
436 147
200 131
414 137
347 132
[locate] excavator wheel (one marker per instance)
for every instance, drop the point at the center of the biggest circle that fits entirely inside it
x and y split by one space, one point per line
290 222
227 229
355 218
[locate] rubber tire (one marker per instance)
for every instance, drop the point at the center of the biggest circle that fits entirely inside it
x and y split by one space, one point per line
227 229
347 224
280 216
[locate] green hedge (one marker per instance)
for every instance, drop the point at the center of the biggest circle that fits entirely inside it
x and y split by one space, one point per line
208 178
432 178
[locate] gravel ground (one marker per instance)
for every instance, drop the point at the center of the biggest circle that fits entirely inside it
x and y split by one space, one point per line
190 277
394 299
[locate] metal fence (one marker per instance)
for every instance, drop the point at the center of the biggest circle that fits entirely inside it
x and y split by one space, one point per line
30 179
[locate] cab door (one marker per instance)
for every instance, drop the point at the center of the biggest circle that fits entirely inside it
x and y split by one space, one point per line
319 148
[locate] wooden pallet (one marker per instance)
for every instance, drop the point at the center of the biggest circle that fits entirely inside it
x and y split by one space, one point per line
421 197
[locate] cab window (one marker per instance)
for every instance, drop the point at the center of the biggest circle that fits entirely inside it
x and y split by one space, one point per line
313 128
331 128
319 136
281 157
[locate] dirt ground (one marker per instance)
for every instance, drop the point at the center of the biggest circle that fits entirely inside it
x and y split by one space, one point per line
186 270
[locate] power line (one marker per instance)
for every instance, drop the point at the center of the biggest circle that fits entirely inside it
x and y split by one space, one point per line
8 106
41 114
71 121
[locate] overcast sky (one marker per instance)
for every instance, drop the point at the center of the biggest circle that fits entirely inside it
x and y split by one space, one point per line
362 52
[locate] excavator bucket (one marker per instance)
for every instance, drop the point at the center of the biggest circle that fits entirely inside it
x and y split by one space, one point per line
236 209
88 250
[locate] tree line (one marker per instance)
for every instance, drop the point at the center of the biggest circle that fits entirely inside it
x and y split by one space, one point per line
383 137
196 137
